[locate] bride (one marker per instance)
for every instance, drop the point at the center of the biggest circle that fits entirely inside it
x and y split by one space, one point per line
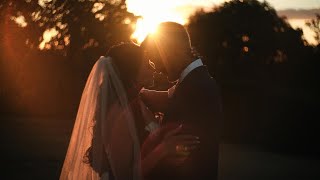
112 122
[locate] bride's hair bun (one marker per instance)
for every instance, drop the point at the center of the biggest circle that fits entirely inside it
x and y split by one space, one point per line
128 58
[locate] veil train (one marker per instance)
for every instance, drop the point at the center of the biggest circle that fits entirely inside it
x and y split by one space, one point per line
93 126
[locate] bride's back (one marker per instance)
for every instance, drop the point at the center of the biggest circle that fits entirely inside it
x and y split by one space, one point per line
117 134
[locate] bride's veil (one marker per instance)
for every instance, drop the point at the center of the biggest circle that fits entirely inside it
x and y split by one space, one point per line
103 88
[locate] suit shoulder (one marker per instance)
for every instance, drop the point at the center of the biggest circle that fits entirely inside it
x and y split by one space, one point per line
207 84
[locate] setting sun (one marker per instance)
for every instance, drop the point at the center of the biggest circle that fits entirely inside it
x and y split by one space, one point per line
143 28
154 12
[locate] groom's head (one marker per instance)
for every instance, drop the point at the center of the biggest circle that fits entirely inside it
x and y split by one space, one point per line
169 49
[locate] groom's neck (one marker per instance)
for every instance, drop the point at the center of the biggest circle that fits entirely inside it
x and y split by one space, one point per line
186 61
180 65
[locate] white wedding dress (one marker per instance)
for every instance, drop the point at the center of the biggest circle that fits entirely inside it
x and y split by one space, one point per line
104 107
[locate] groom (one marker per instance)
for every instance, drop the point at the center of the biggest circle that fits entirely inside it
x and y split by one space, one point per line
194 101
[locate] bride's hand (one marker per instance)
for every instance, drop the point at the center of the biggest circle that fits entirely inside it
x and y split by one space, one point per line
175 144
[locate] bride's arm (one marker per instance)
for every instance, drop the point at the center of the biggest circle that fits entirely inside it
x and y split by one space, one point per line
151 160
157 101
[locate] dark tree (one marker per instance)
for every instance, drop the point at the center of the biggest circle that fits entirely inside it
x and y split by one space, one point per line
80 24
314 25
264 68
31 68
244 30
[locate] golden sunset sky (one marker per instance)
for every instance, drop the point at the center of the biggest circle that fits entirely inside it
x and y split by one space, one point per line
156 11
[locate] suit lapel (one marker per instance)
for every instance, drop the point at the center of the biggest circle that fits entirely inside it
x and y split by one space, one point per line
181 92
190 79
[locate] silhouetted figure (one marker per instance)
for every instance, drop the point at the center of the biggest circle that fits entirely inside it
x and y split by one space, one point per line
193 102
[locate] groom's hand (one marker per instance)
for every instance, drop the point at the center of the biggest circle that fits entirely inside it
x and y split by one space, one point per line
180 145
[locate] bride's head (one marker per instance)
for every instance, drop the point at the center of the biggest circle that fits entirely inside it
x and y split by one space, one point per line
133 70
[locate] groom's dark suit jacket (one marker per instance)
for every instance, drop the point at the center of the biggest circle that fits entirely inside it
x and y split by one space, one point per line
196 104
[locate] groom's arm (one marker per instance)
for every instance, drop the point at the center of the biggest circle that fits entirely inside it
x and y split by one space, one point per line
203 162
156 101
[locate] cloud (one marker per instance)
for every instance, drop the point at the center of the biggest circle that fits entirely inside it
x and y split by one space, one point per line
299 14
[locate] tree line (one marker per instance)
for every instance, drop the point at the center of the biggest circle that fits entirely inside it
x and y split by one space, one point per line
267 72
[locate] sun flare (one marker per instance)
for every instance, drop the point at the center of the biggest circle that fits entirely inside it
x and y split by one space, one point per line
142 29
147 26
152 14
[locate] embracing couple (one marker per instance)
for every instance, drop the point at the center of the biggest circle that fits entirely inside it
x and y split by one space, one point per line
125 131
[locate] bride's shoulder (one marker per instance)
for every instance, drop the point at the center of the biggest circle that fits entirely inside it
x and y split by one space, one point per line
102 63
103 60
